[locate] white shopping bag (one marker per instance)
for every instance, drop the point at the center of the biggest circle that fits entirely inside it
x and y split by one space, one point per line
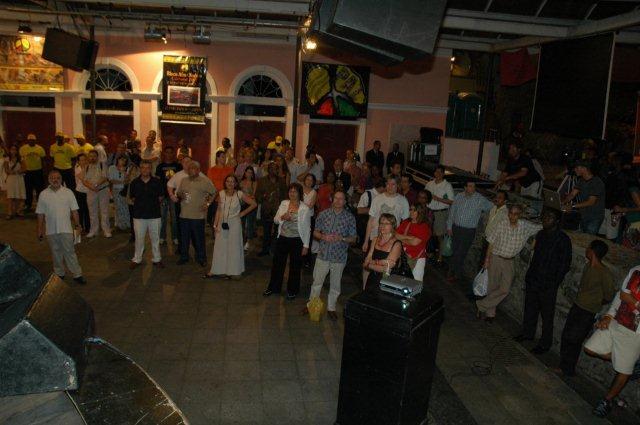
481 283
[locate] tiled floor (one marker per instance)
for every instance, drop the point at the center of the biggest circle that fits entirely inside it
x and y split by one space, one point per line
226 355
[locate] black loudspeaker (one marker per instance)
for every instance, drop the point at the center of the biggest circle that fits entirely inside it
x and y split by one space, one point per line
408 28
322 18
387 31
24 278
42 339
430 135
69 50
388 358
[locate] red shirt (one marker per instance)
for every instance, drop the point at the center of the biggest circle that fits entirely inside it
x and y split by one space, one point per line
421 231
324 197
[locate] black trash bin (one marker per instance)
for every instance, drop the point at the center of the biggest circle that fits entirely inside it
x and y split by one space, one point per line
388 358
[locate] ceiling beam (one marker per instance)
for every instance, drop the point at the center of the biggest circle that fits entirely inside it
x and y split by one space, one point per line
612 23
281 7
503 26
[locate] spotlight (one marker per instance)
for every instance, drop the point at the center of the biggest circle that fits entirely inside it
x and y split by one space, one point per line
155 34
24 29
453 58
310 44
202 36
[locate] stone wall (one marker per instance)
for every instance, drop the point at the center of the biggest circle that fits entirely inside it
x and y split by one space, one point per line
619 260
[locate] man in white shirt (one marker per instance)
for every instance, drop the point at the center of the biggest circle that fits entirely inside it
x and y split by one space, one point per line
363 207
390 201
442 198
55 205
151 151
100 147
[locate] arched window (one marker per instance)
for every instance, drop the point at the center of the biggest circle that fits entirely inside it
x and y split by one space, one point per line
109 80
264 87
260 86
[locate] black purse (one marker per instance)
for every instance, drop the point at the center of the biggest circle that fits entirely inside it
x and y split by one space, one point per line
402 267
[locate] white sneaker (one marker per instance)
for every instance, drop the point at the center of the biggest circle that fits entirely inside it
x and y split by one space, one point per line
90 235
108 235
246 246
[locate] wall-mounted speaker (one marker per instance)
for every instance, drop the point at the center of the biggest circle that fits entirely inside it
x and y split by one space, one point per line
69 50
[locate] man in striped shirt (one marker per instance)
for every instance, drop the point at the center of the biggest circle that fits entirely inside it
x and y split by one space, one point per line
464 215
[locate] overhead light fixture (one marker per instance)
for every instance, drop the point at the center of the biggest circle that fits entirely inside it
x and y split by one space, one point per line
310 44
202 36
24 29
155 34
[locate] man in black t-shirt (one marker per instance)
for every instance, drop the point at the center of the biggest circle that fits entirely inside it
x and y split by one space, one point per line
520 173
164 171
147 193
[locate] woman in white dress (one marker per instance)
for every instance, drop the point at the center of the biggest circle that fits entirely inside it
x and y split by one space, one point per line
228 253
14 169
309 197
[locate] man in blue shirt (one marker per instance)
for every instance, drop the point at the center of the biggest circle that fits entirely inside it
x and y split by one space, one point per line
336 230
464 215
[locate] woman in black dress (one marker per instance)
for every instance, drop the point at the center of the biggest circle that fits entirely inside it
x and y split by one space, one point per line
384 253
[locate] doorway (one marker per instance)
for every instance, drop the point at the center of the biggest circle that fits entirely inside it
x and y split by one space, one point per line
265 130
17 124
331 141
115 127
197 137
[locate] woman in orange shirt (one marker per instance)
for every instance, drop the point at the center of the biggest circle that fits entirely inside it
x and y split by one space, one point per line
217 174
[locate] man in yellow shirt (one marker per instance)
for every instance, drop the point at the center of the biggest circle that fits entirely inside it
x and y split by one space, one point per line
63 154
83 146
32 155
276 144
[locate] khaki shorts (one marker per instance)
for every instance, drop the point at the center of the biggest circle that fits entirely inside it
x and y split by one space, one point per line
622 343
440 222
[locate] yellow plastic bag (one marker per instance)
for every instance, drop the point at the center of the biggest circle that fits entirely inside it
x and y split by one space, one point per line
315 307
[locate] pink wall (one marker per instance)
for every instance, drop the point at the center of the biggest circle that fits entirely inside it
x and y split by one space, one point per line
422 83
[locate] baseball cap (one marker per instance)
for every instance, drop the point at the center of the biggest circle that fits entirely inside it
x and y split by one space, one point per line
31 136
79 136
59 133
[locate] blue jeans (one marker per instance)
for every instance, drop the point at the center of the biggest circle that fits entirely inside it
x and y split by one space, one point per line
168 211
192 231
591 225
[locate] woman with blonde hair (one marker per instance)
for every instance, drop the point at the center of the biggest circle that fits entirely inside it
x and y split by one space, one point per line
384 253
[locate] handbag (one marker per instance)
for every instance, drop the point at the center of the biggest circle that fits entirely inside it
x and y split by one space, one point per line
481 283
402 267
446 248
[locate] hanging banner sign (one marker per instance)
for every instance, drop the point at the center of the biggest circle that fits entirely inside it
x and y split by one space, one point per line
184 89
22 66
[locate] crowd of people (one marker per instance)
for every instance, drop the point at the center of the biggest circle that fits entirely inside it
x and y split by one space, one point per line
310 214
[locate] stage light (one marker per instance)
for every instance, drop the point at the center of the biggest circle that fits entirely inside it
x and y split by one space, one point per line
202 36
310 44
453 58
24 29
155 34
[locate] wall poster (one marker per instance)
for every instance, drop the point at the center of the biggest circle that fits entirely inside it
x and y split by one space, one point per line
184 89
334 91
22 66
